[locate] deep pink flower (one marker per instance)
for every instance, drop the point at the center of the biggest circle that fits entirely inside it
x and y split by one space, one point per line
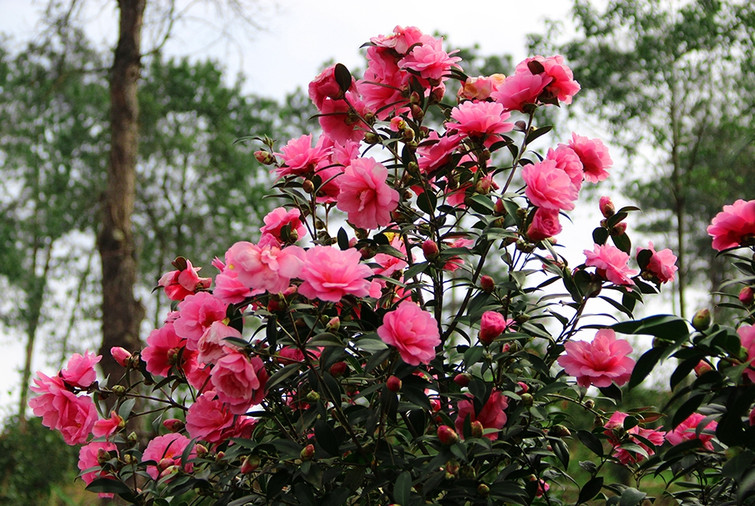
600 362
329 274
480 88
611 263
89 457
520 89
662 264
568 161
164 347
266 267
747 339
239 381
492 325
544 224
278 218
389 264
365 195
79 371
400 40
412 331
491 416
687 431
325 86
167 451
626 456
300 158
429 60
62 410
382 88
435 151
548 186
341 120
198 311
212 343
209 419
480 119
734 226
562 86
180 283
108 426
455 262
594 156
228 288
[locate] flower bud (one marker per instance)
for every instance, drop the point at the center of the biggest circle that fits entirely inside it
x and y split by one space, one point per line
164 463
337 369
168 471
523 387
307 452
527 399
447 436
452 469
132 437
393 384
589 403
371 138
219 456
250 464
499 209
313 396
619 229
559 430
120 355
119 390
487 284
102 456
264 157
462 379
701 320
201 450
173 424
333 324
746 296
477 429
483 489
702 367
607 208
430 249
308 186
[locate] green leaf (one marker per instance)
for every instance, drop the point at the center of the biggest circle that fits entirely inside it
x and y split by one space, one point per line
343 77
591 441
590 490
644 365
326 438
622 242
108 486
343 239
537 132
402 489
427 201
481 203
600 235
631 497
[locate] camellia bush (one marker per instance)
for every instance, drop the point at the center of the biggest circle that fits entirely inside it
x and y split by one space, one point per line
408 330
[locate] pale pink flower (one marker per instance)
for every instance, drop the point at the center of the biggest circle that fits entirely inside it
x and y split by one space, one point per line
662 264
89 457
389 264
434 151
412 331
62 410
299 157
209 419
548 186
480 120
329 274
520 89
492 325
429 60
747 340
594 157
544 224
278 218
79 371
198 311
734 226
400 40
562 86
625 456
229 290
167 451
480 88
180 283
341 120
342 153
365 195
610 263
491 416
212 343
568 161
687 431
325 86
239 381
108 426
601 362
267 267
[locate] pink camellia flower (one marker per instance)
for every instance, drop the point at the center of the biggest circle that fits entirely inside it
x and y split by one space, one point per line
341 120
594 156
198 311
383 83
520 89
365 195
568 161
212 344
435 151
480 88
413 331
607 209
329 274
491 416
480 120
167 451
662 264
548 186
89 457
625 456
300 158
108 426
430 61
734 226
747 340
120 355
239 381
180 283
400 40
492 325
544 224
325 86
688 430
61 410
266 267
209 419
278 218
611 264
79 372
164 348
389 264
455 262
600 362
562 85
228 288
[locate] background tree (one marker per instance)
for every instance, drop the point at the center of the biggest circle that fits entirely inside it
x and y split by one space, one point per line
677 78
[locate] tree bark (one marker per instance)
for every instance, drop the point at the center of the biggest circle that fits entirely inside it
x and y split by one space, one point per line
122 313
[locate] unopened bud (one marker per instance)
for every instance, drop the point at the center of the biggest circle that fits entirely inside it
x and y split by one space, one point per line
447 436
371 138
430 249
452 469
119 390
619 229
701 320
219 456
308 186
746 296
132 437
589 404
483 489
559 430
333 324
607 208
307 452
462 379
250 464
393 384
337 369
499 209
487 284
527 399
173 424
313 396
168 471
417 113
702 367
477 429
524 246
164 463
201 450
407 135
264 157
120 355
102 455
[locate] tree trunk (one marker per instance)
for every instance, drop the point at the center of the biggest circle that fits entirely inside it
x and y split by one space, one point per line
122 313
